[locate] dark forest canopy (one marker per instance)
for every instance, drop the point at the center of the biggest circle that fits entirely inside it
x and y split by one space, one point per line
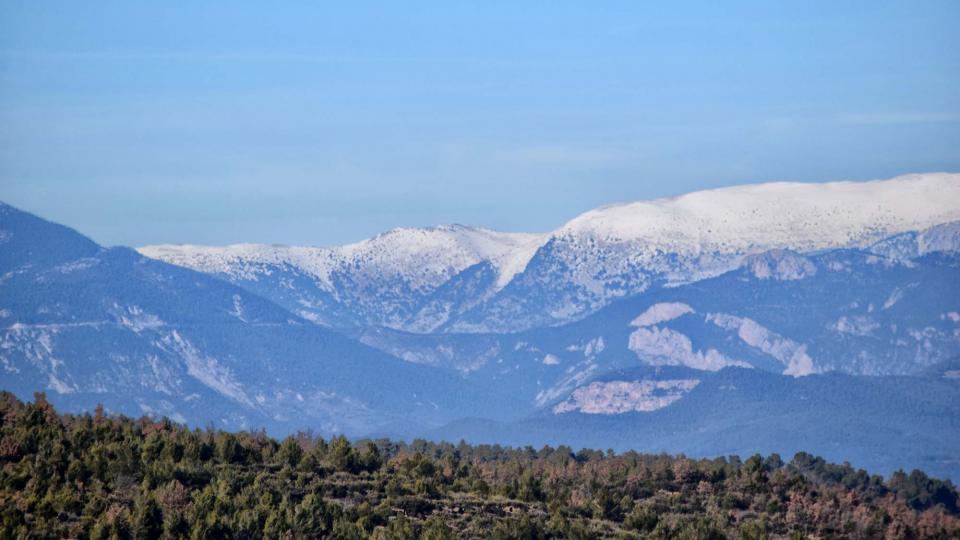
98 476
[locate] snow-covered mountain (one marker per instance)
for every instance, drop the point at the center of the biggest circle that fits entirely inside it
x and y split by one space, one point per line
704 343
92 325
621 250
845 352
386 280
461 279
842 310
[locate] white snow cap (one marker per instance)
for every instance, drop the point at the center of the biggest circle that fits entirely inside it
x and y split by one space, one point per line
779 214
425 255
725 221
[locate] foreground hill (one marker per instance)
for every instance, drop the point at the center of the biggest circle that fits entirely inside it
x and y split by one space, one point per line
107 325
113 477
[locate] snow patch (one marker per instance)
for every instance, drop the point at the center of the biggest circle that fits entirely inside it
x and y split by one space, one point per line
238 308
573 376
35 343
204 368
550 360
137 320
662 312
790 353
896 296
58 385
515 261
618 397
856 326
657 346
594 347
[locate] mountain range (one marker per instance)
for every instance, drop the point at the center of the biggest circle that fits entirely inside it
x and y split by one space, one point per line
108 325
822 317
463 279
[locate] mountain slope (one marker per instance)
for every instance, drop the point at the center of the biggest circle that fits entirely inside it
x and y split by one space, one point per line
92 325
621 250
384 280
783 312
884 423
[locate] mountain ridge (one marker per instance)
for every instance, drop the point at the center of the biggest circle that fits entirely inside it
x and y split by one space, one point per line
399 278
108 325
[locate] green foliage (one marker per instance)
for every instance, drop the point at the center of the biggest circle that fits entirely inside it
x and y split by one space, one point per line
642 519
922 492
117 478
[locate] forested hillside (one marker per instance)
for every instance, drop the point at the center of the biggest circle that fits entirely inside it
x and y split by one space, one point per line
98 476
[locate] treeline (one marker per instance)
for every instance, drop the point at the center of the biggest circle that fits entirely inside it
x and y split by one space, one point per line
98 476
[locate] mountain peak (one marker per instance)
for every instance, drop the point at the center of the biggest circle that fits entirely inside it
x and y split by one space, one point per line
778 214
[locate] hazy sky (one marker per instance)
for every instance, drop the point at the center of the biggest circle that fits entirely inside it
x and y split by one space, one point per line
306 123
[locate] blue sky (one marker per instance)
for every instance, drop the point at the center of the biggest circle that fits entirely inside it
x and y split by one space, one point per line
307 123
